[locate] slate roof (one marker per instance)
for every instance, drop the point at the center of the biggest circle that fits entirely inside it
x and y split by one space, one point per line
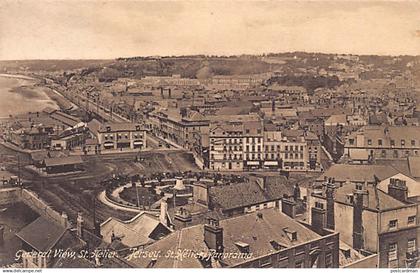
249 193
358 173
42 234
59 161
377 198
134 232
256 231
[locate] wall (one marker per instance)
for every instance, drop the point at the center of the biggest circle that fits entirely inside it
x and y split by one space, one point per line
9 195
32 200
200 194
370 226
401 215
400 237
344 222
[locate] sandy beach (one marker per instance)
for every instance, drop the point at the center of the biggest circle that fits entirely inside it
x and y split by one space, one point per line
19 95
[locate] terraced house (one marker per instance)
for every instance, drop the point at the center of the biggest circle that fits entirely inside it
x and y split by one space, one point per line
383 142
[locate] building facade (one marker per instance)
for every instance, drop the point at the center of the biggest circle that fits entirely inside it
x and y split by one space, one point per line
122 136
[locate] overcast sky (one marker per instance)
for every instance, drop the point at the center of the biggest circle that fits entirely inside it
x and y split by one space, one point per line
39 29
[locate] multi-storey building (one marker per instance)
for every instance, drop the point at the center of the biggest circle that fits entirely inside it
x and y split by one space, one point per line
236 142
380 142
121 136
272 147
262 147
226 146
244 241
181 127
253 144
295 150
368 219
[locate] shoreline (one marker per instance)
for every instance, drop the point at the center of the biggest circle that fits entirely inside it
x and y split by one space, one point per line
36 87
17 76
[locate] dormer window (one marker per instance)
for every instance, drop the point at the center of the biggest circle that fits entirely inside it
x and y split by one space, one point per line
350 198
319 205
108 128
276 245
243 247
291 234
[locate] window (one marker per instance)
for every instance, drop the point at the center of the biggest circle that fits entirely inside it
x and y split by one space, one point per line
393 224
351 141
379 142
299 264
392 252
369 141
300 250
411 245
328 260
392 142
383 153
266 261
319 205
413 142
411 220
402 142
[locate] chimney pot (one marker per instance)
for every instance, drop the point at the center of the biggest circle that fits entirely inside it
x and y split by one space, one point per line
64 219
213 235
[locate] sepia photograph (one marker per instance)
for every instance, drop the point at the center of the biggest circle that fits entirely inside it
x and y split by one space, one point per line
209 134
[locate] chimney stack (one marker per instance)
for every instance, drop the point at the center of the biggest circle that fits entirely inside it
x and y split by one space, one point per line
288 207
330 191
97 229
360 197
213 235
398 189
318 221
182 218
163 211
64 219
79 225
